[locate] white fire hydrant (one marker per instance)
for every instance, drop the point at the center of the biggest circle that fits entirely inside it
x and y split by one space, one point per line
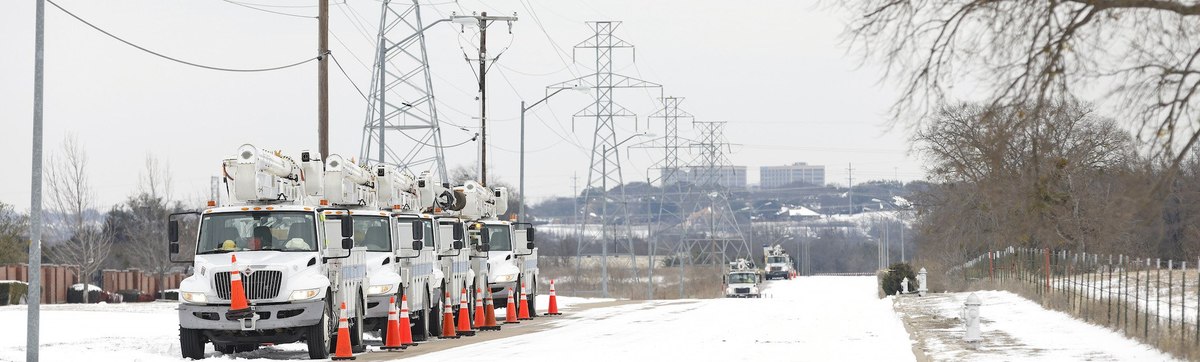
921 278
971 316
904 286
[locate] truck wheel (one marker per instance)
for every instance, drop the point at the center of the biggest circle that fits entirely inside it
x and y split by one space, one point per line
533 298
356 327
419 319
434 324
320 336
191 343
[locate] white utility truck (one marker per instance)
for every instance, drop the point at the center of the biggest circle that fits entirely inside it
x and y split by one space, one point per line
741 280
778 265
296 258
510 254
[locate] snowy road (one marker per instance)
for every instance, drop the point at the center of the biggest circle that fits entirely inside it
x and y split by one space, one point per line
807 319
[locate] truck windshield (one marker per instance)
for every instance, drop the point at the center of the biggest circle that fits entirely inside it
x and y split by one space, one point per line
742 278
372 232
775 259
257 230
499 238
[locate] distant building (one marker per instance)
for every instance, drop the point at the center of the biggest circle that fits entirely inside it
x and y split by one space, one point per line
778 176
733 177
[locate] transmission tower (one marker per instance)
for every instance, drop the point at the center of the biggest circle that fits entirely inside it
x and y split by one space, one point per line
605 164
401 101
663 221
711 230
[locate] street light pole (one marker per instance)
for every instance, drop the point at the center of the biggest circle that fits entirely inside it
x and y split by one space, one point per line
34 294
521 186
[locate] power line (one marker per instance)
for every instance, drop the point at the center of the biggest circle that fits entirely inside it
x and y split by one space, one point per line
255 7
339 65
85 22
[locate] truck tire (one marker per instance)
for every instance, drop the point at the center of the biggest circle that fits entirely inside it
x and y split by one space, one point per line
532 298
319 336
420 320
356 326
191 343
434 324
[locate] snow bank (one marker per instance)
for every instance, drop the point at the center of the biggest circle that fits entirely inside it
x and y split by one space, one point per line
1014 328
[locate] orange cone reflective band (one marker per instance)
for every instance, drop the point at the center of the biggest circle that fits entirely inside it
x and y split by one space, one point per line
238 307
479 315
553 310
510 315
342 351
392 342
523 312
464 315
489 313
448 320
405 324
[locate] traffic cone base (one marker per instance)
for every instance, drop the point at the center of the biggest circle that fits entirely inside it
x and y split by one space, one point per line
553 310
523 313
464 316
489 315
448 331
510 311
392 342
343 352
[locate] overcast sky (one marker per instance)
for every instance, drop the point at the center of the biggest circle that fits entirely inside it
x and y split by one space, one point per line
777 71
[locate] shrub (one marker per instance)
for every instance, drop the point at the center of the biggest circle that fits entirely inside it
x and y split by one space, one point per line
890 282
11 292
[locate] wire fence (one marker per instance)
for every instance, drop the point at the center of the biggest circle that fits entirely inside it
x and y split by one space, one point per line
1154 300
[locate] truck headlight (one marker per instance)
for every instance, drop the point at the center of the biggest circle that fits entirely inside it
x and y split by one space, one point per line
193 297
504 278
379 289
305 294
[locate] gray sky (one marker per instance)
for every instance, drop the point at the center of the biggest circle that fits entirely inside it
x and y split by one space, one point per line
777 71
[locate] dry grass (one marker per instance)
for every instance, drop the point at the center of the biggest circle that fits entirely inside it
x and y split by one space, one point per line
699 281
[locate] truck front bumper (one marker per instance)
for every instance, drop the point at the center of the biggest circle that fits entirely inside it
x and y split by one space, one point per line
500 290
377 306
270 316
777 274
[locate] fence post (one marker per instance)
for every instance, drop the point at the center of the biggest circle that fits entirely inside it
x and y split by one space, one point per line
991 267
1108 282
1183 304
1170 295
1047 267
1137 295
1123 274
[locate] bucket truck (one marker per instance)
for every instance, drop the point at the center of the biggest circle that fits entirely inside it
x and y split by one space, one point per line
777 262
296 258
741 280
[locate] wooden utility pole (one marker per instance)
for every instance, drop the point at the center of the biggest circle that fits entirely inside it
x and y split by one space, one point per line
323 78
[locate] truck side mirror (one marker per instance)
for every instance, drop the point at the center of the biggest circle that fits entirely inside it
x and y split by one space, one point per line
529 245
347 228
347 243
458 244
529 235
485 237
458 233
418 230
174 248
173 233
417 244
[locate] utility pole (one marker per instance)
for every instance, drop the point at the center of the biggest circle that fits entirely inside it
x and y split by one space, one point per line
323 77
850 190
482 21
34 295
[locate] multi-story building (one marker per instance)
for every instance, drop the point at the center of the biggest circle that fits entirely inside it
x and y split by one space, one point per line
733 177
777 176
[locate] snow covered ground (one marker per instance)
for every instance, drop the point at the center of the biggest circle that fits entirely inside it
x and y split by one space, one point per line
806 319
130 332
1014 328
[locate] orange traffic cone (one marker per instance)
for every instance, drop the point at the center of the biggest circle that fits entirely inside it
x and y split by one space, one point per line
342 352
392 342
405 324
523 313
448 320
510 316
553 301
238 308
489 315
464 316
479 315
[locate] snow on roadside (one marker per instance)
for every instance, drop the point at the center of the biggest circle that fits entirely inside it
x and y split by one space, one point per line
1014 328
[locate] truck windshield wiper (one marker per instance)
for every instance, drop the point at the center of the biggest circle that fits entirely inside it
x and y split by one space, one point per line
217 251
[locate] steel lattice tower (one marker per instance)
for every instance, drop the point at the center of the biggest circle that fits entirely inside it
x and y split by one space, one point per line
722 235
401 101
605 163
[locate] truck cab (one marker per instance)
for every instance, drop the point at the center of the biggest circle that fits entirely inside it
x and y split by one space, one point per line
297 261
742 280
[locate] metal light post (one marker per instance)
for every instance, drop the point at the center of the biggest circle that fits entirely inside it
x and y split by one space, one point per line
521 187
34 294
604 221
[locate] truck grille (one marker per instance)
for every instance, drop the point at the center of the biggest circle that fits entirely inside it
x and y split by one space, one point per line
776 268
741 290
262 284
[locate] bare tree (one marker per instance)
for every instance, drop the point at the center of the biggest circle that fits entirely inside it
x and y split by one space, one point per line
71 198
1145 54
142 220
